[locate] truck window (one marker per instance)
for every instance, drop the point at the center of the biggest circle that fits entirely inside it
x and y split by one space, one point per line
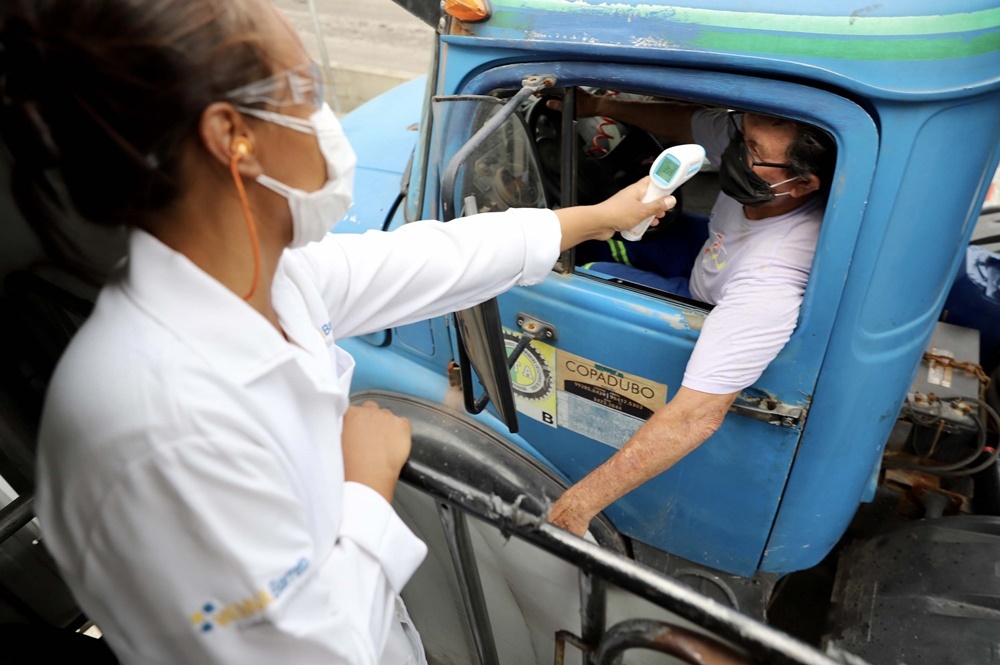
618 136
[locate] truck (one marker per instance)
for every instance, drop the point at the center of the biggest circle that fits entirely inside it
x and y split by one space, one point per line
909 92
847 509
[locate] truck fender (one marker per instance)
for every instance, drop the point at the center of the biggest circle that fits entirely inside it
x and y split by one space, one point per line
446 442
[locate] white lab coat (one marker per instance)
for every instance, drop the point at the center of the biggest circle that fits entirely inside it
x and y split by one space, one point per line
191 481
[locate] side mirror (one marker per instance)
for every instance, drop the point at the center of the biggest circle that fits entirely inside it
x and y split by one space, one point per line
428 11
481 346
494 170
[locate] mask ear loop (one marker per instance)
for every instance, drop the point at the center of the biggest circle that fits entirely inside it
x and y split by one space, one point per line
241 148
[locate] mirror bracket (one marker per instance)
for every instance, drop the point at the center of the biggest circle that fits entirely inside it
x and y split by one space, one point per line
537 328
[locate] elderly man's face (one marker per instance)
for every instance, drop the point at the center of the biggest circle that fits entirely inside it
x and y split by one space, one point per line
767 142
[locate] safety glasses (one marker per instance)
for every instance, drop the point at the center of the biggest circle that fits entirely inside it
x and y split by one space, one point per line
302 85
738 136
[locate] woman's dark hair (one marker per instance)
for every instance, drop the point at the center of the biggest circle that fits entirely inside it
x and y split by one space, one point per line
98 96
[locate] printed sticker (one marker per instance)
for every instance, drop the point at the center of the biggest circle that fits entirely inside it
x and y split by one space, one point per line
938 374
533 379
603 403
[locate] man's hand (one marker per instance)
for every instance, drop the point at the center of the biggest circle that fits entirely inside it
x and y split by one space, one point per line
668 120
587 105
567 514
673 431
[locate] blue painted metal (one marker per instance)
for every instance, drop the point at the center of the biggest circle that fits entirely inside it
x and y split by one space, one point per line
382 152
383 149
754 497
418 337
900 49
386 145
914 234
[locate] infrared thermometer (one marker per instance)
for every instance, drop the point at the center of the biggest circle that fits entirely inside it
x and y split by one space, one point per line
672 168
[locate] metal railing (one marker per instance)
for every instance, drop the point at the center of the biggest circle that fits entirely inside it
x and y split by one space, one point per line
436 469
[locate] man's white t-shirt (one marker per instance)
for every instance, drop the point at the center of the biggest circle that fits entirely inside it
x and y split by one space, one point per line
754 272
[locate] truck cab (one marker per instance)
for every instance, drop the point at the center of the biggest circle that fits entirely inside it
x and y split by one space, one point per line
515 400
910 96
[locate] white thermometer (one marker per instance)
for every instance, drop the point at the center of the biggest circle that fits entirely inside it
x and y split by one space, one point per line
672 168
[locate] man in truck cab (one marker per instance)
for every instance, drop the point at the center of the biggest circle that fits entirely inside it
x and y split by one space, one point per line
753 267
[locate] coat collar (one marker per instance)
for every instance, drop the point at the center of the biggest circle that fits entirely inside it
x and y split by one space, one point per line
228 334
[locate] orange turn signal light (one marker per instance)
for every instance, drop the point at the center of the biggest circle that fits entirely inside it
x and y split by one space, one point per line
469 11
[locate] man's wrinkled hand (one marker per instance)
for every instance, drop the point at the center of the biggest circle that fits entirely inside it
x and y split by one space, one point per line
565 514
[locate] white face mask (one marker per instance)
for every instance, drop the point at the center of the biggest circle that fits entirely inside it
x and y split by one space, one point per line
315 213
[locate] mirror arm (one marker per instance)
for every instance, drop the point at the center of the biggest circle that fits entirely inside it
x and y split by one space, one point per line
516 352
531 85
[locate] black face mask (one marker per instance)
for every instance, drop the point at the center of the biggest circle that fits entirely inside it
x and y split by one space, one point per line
738 179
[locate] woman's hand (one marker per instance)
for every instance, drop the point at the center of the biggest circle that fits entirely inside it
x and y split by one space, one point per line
625 209
376 444
622 211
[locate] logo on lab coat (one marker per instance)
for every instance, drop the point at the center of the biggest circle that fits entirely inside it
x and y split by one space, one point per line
212 614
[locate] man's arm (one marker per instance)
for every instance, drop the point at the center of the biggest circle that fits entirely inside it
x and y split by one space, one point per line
667 120
673 432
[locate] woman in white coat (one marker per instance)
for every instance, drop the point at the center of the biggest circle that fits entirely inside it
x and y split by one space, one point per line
203 484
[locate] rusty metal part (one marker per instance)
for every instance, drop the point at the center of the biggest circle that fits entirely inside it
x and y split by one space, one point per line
769 411
564 636
972 368
537 328
539 81
681 643
454 375
924 489
593 609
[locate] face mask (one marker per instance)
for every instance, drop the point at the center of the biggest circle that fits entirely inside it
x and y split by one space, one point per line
739 181
315 213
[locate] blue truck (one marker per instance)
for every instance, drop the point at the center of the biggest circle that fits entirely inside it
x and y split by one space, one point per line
911 94
852 496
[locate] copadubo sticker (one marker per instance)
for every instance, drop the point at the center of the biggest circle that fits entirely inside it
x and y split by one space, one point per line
603 403
560 389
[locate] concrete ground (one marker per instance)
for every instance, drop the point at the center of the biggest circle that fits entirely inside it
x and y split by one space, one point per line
373 45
